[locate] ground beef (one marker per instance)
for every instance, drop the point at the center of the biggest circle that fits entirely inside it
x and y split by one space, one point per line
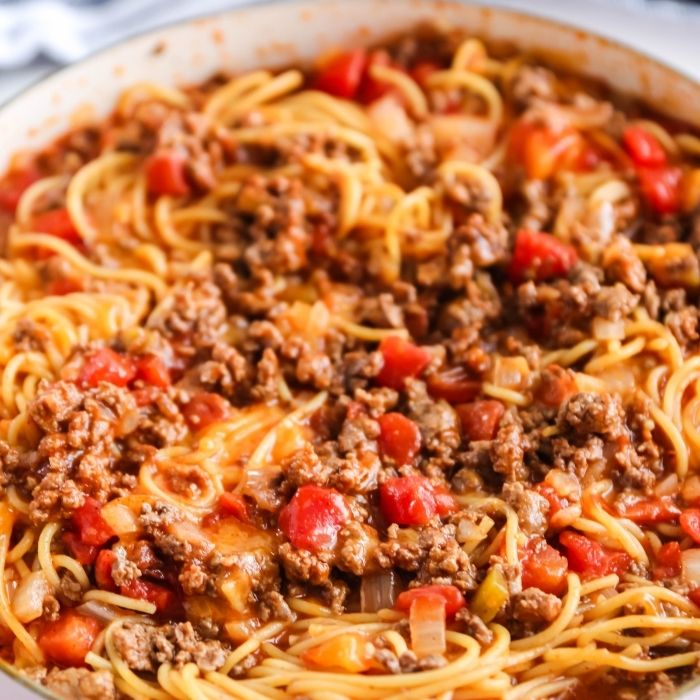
535 606
357 546
432 552
304 566
146 647
508 449
75 456
437 420
80 684
474 626
193 315
533 82
601 414
532 508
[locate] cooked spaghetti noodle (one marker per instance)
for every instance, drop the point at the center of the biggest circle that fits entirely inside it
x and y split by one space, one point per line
379 380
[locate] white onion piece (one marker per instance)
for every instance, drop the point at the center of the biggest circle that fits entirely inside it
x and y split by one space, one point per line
427 623
390 118
690 559
691 489
621 379
510 372
668 486
104 613
566 485
604 329
28 601
378 591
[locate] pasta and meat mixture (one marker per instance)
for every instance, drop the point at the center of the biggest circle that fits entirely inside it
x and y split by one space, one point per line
376 379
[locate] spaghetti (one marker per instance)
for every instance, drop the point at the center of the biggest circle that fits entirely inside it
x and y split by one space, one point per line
299 397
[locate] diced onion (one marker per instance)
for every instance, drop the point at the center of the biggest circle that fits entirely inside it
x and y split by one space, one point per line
690 559
510 372
122 514
427 623
566 485
691 489
104 613
28 601
668 486
620 379
604 329
470 534
378 591
390 119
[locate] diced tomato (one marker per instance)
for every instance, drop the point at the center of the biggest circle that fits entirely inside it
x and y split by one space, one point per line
453 385
232 504
205 409
84 553
556 503
13 186
690 523
556 385
313 518
91 526
402 359
480 419
423 70
63 286
643 147
165 174
543 567
152 370
413 500
57 222
542 151
342 74
106 365
371 89
694 596
661 187
668 561
650 510
454 600
589 158
399 438
540 256
163 598
103 570
590 558
67 641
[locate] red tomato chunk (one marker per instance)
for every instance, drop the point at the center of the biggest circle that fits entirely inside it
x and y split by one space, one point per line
152 370
103 570
452 596
106 365
165 174
590 558
651 510
231 504
342 74
67 640
480 419
661 188
13 186
690 523
543 567
312 519
453 385
205 409
399 438
58 223
540 256
81 552
643 147
164 599
90 524
668 561
413 500
402 359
